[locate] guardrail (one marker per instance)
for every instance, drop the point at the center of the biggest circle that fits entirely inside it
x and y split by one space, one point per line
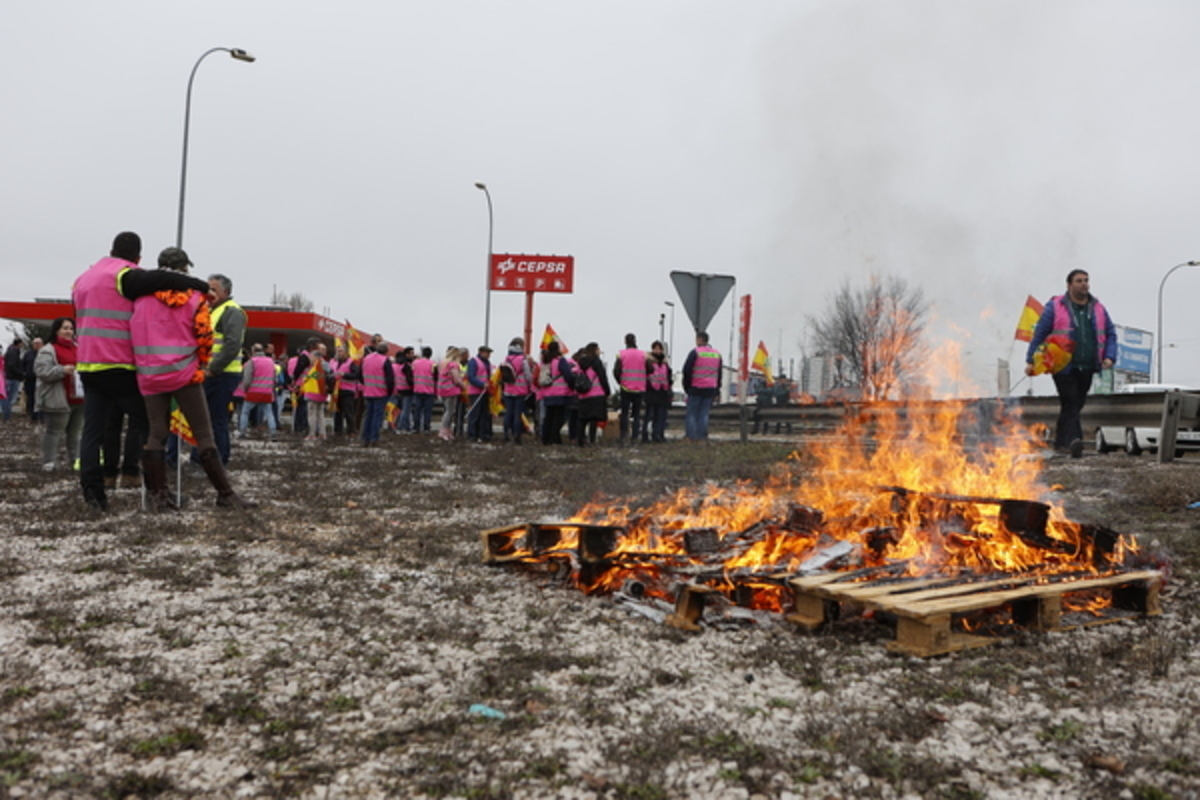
1165 410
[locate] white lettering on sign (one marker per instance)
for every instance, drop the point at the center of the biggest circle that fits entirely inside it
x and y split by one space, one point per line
532 267
326 325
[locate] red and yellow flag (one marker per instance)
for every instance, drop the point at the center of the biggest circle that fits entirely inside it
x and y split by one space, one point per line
1053 354
552 336
761 363
1029 319
355 341
495 393
180 427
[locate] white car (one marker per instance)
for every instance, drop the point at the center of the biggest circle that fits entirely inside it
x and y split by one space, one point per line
1135 440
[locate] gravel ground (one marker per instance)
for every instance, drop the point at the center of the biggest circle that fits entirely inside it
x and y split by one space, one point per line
345 640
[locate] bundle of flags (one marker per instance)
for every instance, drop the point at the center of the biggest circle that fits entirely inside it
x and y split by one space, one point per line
1052 354
354 342
761 363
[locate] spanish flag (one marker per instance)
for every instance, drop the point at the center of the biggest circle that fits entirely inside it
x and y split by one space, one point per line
552 336
355 341
495 393
1029 319
761 363
179 425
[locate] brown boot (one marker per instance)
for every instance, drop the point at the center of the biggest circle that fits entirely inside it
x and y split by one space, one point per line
210 459
154 473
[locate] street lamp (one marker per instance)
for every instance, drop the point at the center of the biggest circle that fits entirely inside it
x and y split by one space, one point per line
487 305
1158 336
671 346
234 52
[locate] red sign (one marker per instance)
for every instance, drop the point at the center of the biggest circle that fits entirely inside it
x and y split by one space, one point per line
514 273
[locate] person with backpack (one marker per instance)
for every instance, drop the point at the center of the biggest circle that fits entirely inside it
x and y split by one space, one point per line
556 381
593 393
516 376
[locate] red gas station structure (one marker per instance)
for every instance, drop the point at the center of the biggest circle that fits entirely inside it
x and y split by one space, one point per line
286 330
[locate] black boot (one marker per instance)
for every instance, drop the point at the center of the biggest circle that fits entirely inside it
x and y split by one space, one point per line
154 474
210 459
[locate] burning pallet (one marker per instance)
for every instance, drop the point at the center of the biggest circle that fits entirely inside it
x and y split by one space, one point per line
791 563
929 611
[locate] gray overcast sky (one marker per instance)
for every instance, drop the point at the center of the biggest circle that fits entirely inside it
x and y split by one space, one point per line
979 149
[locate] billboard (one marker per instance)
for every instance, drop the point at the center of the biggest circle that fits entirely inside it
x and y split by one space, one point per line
1134 350
517 273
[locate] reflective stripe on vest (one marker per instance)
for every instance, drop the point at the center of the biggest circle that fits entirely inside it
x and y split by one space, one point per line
558 387
344 383
706 369
422 369
171 361
483 372
633 369
658 375
374 380
219 338
520 385
446 386
403 384
262 380
597 390
102 317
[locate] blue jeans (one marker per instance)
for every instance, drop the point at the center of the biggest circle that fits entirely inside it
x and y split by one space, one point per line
218 390
696 421
422 412
514 410
406 413
373 418
265 410
11 386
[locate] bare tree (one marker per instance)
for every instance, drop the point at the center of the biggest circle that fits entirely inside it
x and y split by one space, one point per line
875 334
296 301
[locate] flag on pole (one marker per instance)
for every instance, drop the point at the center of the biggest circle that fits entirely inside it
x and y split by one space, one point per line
762 363
1029 319
179 425
552 336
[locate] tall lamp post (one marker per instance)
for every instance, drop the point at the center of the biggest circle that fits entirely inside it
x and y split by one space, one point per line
1158 335
671 346
234 52
487 306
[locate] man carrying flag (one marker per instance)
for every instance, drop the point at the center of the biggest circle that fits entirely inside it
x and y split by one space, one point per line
1078 326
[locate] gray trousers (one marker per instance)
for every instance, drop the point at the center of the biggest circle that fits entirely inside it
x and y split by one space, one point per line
59 424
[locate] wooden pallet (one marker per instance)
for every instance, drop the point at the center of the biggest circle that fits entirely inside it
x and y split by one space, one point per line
924 608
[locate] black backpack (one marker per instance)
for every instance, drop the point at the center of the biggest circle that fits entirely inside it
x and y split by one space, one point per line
506 373
583 384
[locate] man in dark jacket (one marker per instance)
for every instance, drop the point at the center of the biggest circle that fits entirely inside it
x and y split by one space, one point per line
27 359
14 375
1093 347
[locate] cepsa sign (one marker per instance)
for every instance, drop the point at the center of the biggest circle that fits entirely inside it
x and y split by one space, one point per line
513 273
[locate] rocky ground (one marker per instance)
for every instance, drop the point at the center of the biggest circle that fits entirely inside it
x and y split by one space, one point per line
345 640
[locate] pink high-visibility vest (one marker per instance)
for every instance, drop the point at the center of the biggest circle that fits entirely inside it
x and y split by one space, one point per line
633 369
102 317
164 343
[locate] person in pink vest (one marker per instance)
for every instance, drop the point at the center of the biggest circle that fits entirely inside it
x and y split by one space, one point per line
629 371
404 388
103 296
479 377
516 377
172 337
349 386
378 383
450 387
315 385
658 395
556 395
593 404
258 388
1079 316
702 383
424 390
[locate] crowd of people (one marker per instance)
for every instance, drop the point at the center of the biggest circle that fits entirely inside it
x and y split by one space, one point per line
153 352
